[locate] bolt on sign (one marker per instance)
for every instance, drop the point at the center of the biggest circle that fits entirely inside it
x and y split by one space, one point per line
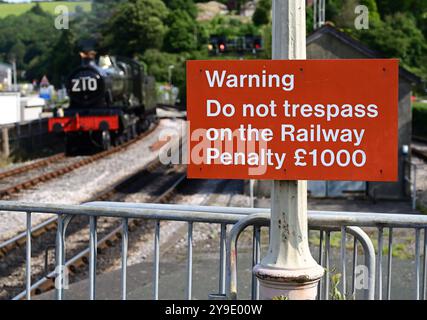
293 119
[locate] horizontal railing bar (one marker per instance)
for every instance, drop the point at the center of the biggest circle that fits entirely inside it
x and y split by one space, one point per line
361 219
214 214
33 230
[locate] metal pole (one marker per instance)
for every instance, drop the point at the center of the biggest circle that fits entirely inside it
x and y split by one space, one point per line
251 192
414 190
92 257
59 281
222 262
289 269
28 258
125 244
323 16
156 261
190 261
314 14
5 142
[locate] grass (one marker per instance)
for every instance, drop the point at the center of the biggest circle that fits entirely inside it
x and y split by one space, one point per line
421 208
4 162
403 244
7 9
420 105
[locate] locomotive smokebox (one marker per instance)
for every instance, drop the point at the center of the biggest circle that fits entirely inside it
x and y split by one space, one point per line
86 87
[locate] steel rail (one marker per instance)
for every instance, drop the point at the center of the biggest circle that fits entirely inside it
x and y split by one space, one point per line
86 256
49 224
419 153
19 240
35 165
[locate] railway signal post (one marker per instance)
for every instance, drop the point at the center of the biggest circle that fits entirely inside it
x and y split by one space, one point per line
289 270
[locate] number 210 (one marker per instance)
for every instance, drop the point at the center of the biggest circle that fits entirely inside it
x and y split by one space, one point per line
84 84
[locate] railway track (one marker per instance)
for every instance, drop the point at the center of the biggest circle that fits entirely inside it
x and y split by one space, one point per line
117 192
31 182
32 166
420 150
112 193
419 139
108 240
420 153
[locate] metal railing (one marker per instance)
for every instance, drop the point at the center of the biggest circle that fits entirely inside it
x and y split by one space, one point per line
260 220
332 245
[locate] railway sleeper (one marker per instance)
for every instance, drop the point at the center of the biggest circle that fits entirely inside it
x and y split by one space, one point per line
39 232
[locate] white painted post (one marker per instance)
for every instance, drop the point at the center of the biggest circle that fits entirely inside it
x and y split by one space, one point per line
251 192
289 270
314 14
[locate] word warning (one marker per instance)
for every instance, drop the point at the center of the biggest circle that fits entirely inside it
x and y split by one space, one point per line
293 119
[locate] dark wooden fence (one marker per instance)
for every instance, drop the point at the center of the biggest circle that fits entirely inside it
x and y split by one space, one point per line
27 138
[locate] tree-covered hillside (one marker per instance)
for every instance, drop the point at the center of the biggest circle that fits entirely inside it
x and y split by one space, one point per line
165 32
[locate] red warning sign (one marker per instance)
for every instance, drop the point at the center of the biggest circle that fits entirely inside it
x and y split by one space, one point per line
293 119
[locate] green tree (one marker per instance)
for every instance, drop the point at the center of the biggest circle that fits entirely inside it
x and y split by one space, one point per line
103 9
28 37
136 26
37 9
332 9
230 27
184 5
182 33
17 53
64 57
399 37
418 8
158 63
397 28
262 13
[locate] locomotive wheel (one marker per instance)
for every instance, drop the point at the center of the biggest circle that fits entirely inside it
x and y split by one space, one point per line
69 147
72 145
120 139
143 125
105 140
134 131
115 140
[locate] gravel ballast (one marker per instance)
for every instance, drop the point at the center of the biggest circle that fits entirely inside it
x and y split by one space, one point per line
82 184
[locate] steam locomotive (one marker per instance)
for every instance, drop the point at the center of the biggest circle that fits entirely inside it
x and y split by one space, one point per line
111 100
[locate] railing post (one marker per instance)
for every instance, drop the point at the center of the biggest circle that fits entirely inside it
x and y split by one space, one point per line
60 259
289 269
414 189
5 142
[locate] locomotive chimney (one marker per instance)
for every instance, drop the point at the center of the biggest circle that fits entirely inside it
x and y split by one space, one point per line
88 57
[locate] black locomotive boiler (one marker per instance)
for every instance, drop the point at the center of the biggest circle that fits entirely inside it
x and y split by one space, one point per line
111 100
